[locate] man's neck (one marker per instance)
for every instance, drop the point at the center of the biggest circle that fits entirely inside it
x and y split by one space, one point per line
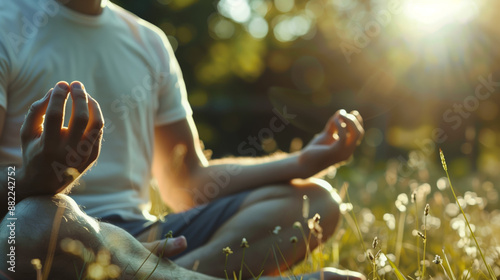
88 7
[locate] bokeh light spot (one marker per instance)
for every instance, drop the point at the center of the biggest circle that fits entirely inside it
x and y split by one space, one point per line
222 28
258 27
284 6
237 10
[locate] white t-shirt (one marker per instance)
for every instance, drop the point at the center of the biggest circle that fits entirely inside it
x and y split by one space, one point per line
125 63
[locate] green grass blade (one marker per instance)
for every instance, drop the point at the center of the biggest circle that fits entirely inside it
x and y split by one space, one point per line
360 236
398 273
443 162
448 265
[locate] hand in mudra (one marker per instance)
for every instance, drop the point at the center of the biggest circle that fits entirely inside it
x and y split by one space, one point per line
335 144
54 156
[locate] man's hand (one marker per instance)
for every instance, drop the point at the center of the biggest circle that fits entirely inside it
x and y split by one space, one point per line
55 156
170 248
335 144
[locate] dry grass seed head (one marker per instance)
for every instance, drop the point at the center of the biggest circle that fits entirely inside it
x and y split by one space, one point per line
437 260
36 264
244 243
443 160
375 243
370 256
276 230
297 225
421 235
227 251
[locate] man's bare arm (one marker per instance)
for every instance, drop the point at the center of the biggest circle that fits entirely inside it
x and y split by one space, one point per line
187 179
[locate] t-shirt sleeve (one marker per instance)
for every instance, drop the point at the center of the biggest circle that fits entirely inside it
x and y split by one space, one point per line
173 104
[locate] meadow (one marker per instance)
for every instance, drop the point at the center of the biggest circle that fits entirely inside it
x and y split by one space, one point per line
400 223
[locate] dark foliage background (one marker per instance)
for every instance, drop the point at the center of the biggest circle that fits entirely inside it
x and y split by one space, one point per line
416 70
402 72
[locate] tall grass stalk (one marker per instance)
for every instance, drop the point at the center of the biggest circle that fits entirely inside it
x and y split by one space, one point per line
242 261
398 273
357 227
277 262
37 265
321 261
244 245
399 238
284 260
414 196
443 162
424 265
53 241
250 271
159 257
444 270
147 258
225 268
227 251
448 264
306 242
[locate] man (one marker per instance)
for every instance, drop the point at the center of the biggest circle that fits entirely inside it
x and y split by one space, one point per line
54 229
130 68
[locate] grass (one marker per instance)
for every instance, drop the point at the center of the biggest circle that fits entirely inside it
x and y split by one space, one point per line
452 237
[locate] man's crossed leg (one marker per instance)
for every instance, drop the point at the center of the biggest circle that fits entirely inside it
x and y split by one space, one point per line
67 242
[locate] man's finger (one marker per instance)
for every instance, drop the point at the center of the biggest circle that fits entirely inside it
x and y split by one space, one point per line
354 129
96 119
79 113
341 130
358 117
89 157
330 126
54 116
172 247
90 144
32 126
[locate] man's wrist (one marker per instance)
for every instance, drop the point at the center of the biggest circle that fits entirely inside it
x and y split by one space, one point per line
299 166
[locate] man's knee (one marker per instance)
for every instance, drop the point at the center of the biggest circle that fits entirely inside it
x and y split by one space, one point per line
320 196
33 219
41 224
38 217
323 199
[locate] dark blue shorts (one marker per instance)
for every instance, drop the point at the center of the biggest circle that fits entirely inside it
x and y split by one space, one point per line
197 224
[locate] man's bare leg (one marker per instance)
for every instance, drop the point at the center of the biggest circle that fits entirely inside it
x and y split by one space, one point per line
56 225
263 210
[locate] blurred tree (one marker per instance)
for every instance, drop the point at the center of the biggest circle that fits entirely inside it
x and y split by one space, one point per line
403 64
